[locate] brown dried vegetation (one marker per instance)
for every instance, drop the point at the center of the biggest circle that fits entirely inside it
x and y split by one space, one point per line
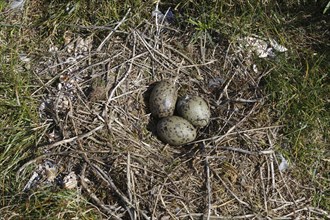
94 96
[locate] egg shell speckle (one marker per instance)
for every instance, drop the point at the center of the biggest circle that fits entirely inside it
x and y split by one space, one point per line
195 109
163 98
176 130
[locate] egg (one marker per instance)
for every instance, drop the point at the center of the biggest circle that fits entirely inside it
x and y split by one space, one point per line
195 109
175 130
163 98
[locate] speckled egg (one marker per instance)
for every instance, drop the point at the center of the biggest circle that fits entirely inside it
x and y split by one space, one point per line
175 130
195 109
163 98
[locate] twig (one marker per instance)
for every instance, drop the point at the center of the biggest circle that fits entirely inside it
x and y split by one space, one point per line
129 92
94 27
310 209
151 50
184 56
202 46
226 56
231 192
187 210
99 63
109 181
117 85
225 88
110 34
167 209
272 164
198 65
129 184
288 204
84 156
129 60
159 197
125 76
176 51
93 196
78 137
110 98
263 188
245 100
208 185
273 173
237 124
156 19
285 183
263 152
196 215
82 179
220 137
269 178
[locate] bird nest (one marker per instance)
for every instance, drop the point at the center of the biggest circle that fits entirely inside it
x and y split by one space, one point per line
100 136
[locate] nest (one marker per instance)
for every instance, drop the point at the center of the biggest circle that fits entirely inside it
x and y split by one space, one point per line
100 131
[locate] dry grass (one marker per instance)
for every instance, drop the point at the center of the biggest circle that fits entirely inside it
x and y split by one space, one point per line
95 122
105 134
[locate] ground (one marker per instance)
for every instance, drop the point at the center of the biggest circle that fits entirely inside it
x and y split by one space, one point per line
78 139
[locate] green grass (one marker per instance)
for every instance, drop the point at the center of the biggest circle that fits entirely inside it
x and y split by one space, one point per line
18 115
19 136
298 88
299 91
50 204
